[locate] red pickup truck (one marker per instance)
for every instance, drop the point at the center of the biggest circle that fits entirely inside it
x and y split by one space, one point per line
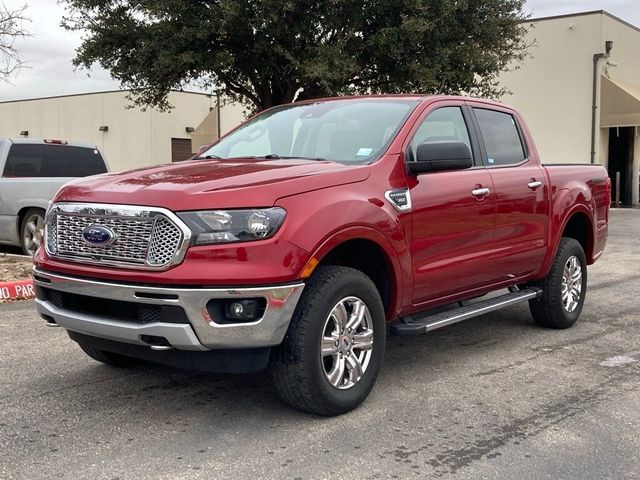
295 240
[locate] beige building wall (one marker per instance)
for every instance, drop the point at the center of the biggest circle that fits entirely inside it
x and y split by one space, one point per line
626 49
231 115
134 138
553 89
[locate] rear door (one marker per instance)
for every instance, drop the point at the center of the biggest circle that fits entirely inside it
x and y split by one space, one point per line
452 226
521 194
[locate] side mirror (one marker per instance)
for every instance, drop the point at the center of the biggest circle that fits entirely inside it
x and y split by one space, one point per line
440 156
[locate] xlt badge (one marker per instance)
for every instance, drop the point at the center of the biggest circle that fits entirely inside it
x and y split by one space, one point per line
399 198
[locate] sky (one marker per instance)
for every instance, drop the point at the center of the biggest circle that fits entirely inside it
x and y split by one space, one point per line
50 49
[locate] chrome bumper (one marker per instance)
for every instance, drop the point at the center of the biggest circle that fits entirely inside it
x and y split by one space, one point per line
203 333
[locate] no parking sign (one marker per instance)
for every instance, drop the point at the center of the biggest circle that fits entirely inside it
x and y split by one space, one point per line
16 290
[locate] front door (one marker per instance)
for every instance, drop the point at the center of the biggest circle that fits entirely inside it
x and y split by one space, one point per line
452 213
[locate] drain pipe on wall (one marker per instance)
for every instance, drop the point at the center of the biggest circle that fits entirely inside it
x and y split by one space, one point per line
608 46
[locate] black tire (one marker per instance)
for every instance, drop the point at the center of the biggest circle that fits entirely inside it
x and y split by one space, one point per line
30 239
549 309
297 365
108 358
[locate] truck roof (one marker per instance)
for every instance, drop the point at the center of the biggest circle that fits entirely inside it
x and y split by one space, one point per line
405 96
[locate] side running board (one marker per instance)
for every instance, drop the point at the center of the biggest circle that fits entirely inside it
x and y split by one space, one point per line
410 326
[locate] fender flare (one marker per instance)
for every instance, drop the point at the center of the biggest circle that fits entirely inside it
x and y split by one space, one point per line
579 208
400 281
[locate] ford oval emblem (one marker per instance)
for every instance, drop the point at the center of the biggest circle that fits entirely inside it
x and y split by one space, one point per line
98 236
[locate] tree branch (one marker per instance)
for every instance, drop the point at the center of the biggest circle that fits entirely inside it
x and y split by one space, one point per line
11 29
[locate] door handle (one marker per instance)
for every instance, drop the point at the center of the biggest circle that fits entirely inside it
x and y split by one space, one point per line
533 185
480 192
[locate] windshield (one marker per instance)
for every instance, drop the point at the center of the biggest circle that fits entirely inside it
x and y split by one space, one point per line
349 131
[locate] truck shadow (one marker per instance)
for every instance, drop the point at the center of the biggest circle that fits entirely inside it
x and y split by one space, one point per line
192 402
86 405
168 393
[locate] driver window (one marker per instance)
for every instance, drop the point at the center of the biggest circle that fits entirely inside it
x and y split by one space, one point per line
443 124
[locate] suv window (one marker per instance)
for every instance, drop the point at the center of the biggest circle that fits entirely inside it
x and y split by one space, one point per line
501 137
35 160
443 124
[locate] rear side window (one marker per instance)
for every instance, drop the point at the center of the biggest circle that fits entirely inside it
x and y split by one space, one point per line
501 137
35 160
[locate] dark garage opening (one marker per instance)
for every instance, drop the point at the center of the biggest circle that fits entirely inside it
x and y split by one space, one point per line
621 160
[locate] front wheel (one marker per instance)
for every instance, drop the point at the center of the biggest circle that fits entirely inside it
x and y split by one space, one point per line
564 289
332 353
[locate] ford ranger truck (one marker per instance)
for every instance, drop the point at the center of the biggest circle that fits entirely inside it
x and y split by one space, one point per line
294 241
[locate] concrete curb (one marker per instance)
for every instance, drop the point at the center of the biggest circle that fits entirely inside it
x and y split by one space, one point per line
17 290
13 255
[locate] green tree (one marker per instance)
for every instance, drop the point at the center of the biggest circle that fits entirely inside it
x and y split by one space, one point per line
268 52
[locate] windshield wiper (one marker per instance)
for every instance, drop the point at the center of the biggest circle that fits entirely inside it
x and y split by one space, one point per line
270 156
275 156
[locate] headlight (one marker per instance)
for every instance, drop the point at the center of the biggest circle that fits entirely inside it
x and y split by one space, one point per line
225 226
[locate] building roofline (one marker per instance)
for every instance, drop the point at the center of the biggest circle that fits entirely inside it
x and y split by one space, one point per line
582 14
103 92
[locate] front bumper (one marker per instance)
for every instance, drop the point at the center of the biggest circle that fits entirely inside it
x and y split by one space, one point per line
202 332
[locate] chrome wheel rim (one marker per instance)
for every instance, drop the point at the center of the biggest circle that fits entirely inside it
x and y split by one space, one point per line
347 343
571 284
33 232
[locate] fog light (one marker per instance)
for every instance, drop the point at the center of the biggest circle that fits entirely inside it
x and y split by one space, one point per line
246 310
236 310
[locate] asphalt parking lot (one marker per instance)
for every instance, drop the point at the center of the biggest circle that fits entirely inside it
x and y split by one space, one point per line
495 398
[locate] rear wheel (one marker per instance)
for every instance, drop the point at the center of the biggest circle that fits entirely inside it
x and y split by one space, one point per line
109 358
31 231
332 353
564 289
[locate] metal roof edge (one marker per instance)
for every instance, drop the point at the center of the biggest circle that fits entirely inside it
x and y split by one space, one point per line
103 92
582 14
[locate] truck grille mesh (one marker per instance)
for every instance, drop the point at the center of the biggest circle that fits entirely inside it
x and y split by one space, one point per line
142 241
165 241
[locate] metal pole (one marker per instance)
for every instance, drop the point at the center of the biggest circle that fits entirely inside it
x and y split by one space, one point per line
608 46
218 115
617 189
594 103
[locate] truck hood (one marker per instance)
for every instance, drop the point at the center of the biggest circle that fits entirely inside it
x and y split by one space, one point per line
203 184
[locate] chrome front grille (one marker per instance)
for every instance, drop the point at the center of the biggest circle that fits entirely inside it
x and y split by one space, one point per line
164 241
143 237
132 237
